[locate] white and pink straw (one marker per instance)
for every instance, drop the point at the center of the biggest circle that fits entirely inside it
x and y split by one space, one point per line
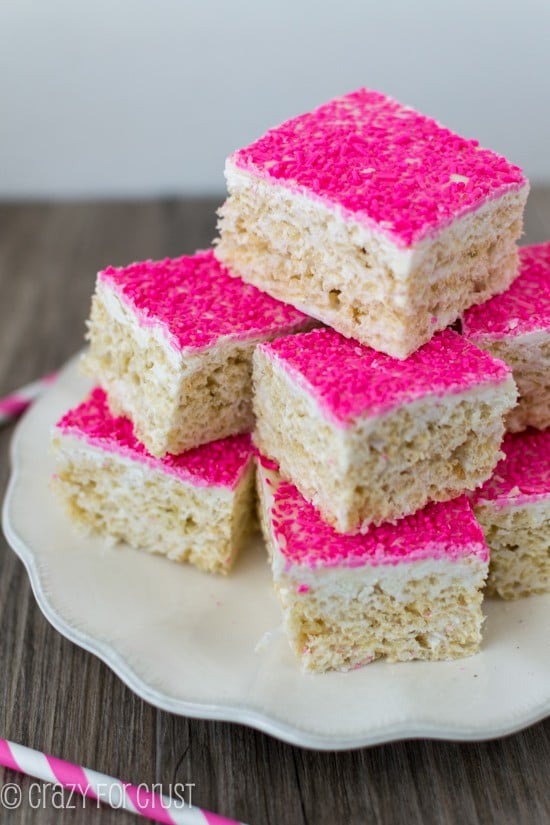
14 404
106 789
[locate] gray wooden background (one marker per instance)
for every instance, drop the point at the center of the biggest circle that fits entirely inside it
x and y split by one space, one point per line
57 698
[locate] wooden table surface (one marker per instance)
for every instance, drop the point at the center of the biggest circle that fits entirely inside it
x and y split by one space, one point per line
58 698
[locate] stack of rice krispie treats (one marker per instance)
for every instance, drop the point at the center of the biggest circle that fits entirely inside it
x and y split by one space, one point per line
513 507
352 237
375 431
159 455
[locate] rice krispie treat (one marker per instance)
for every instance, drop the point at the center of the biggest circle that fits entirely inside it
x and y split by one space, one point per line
367 438
515 326
374 219
171 342
195 507
513 508
405 591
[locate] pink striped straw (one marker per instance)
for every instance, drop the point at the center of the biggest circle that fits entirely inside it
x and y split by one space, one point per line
106 789
14 404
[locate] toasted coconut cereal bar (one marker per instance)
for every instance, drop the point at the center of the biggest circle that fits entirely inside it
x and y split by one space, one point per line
513 508
406 591
367 438
195 507
515 326
373 218
171 342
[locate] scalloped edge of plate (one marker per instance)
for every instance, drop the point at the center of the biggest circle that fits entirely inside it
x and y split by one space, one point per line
264 722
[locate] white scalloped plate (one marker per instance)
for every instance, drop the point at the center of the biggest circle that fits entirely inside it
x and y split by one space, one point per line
211 647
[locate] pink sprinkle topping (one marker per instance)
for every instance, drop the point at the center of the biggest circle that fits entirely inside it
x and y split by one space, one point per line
444 530
349 380
523 308
198 303
382 164
220 463
524 475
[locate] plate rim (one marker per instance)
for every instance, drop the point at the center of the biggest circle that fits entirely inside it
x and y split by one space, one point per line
406 729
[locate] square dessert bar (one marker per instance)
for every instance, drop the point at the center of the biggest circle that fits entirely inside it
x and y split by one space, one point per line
367 438
195 507
374 219
515 326
171 342
513 508
406 591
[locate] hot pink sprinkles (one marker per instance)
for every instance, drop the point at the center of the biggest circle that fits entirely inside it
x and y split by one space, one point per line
349 380
198 303
220 463
382 164
523 308
440 531
524 475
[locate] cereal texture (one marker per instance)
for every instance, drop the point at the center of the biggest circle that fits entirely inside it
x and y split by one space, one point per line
519 538
515 327
390 167
513 508
374 219
522 309
171 342
367 438
195 507
403 592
